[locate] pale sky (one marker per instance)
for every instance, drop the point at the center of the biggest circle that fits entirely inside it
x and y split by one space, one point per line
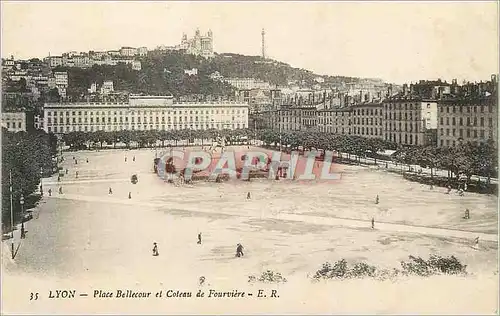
398 42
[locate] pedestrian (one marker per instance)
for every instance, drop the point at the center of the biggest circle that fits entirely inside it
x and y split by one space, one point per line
60 190
125 159
50 192
66 170
239 250
155 250
476 242
130 195
87 160
373 223
199 238
110 191
133 159
467 214
23 232
58 178
376 199
76 174
248 196
76 162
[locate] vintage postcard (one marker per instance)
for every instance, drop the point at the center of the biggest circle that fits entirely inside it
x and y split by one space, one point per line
249 157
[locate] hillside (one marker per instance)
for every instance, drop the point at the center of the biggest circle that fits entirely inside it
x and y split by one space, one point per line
163 73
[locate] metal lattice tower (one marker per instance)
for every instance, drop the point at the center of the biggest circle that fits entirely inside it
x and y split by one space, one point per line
263 44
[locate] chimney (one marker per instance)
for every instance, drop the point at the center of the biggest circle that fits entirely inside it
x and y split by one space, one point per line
405 89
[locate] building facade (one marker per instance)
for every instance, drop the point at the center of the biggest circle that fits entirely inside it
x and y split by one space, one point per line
474 119
144 113
410 121
335 120
367 120
16 121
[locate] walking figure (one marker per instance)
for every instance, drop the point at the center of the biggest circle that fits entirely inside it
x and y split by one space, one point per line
23 232
130 195
76 162
376 200
373 223
58 178
155 249
110 191
467 214
248 196
133 159
125 159
87 160
239 250
66 170
76 174
60 190
50 192
199 239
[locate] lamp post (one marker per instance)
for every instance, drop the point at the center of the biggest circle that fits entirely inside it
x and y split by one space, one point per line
11 215
21 201
41 181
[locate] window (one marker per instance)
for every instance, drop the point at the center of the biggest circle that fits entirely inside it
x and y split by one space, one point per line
481 121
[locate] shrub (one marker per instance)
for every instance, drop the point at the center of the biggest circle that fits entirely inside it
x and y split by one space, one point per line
268 277
416 266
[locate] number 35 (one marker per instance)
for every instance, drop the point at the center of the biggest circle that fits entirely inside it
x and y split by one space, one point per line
34 296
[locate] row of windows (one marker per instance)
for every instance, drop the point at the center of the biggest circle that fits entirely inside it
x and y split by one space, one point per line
475 108
407 139
73 120
14 125
468 132
369 131
67 113
468 121
408 127
406 106
371 121
62 129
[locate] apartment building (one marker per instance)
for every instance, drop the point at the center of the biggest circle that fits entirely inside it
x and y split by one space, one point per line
144 113
367 120
474 119
335 120
410 121
17 121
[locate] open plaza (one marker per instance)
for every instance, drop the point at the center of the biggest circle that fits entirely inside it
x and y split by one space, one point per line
88 239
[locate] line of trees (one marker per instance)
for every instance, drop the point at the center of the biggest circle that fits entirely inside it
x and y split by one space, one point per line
466 159
25 156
